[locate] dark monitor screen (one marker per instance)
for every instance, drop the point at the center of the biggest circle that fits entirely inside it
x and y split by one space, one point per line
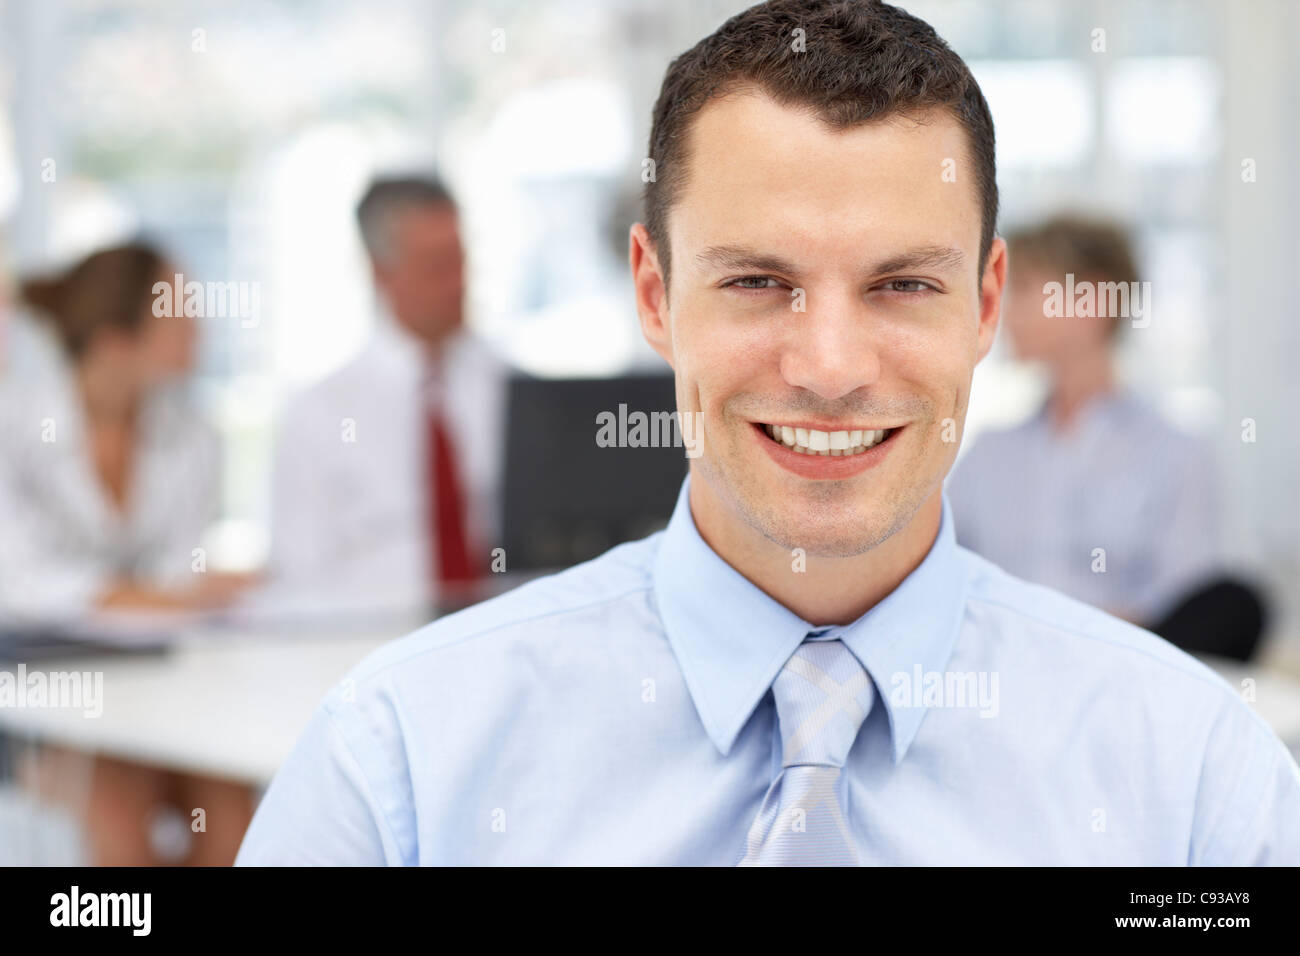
590 463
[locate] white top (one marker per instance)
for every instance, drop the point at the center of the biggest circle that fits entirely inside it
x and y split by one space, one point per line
64 541
350 521
221 702
1122 479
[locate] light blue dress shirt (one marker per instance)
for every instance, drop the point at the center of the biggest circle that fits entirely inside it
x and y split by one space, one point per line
620 712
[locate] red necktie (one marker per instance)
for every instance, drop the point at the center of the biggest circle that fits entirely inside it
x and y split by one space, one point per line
455 567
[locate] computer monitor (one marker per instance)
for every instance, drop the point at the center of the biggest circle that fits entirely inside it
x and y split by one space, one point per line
590 463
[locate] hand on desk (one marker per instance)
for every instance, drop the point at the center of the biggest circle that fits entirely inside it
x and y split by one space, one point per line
211 590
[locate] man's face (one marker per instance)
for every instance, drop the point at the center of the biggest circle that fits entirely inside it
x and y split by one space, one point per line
423 278
1058 341
864 230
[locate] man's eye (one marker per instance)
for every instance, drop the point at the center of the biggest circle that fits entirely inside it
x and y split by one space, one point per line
909 286
753 282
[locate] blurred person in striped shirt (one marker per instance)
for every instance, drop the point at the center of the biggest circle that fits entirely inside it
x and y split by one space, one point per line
1096 494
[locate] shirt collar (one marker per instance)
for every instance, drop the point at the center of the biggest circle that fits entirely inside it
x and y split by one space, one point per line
403 354
1097 414
731 639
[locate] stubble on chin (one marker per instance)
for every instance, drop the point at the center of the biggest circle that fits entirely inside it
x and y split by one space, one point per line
827 520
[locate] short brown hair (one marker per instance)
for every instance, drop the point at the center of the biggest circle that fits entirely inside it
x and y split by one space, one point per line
109 289
1089 247
864 60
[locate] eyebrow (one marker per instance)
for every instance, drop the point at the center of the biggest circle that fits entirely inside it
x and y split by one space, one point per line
742 258
923 257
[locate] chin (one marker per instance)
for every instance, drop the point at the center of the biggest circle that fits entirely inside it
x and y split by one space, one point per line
833 524
841 536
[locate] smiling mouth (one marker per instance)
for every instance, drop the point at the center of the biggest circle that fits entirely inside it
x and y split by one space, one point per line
836 444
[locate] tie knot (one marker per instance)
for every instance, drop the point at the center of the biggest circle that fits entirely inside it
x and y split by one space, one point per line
823 695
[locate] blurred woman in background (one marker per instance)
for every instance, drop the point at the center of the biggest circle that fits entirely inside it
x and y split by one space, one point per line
108 478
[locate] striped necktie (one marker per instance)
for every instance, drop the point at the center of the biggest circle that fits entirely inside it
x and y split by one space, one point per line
822 696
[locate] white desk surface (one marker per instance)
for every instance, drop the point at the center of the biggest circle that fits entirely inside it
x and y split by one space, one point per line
232 704
222 704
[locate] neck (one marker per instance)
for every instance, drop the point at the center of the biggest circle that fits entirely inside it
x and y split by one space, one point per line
106 397
432 347
1077 382
830 591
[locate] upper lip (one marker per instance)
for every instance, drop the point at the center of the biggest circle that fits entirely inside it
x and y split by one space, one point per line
830 428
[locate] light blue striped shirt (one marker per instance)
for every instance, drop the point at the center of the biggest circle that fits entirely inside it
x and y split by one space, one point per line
620 712
1122 485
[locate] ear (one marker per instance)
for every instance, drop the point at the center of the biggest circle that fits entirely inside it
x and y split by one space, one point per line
651 296
992 286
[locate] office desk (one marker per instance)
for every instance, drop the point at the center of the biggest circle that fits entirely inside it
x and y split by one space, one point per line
232 705
216 703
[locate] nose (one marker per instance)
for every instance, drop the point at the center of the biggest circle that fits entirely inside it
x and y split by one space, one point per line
831 349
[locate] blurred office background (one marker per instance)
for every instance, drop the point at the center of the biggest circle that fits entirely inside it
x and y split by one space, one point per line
241 134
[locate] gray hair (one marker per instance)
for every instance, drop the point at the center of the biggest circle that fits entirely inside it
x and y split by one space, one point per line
385 199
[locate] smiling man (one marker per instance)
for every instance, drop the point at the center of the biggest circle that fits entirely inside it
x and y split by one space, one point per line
804 668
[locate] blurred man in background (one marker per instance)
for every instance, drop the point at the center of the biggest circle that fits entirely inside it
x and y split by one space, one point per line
386 472
1097 495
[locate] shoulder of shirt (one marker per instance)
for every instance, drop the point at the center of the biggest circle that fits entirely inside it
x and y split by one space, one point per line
1139 411
989 439
359 377
477 348
30 396
620 573
1130 414
380 363
1132 650
26 390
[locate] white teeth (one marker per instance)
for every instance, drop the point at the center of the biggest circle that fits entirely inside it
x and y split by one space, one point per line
810 441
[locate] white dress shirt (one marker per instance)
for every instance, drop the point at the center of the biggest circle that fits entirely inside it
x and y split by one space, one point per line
350 522
64 542
1041 503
